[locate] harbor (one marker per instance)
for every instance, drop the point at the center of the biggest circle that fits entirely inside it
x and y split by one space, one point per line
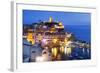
48 41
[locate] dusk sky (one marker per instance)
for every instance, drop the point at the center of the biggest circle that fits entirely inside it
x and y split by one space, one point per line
67 18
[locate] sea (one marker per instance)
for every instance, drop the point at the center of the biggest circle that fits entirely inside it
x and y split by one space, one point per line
81 32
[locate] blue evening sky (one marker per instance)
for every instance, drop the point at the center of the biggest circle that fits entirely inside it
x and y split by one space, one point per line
67 18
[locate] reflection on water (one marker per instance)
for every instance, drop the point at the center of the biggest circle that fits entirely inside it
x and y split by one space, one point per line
32 53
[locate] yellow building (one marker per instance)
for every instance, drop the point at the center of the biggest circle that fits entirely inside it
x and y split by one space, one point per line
30 37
